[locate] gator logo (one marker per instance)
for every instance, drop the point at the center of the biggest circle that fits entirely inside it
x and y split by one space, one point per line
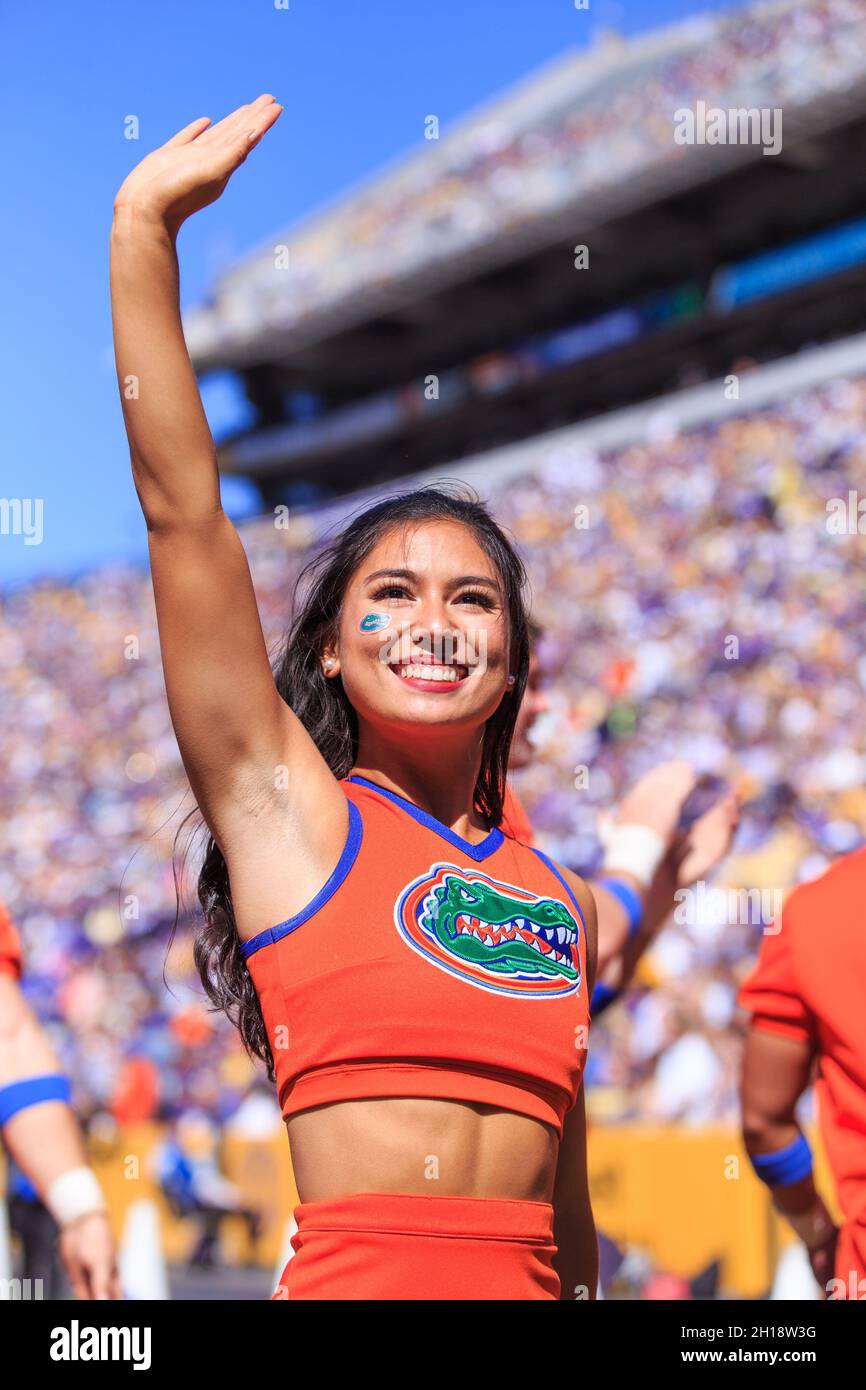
491 934
374 622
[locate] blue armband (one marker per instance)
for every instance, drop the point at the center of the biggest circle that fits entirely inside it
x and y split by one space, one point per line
36 1089
628 897
786 1165
602 996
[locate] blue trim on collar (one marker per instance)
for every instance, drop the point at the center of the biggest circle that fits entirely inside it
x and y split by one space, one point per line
344 864
489 845
554 870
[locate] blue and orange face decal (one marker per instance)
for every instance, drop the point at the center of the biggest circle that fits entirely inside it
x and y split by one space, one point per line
491 934
374 622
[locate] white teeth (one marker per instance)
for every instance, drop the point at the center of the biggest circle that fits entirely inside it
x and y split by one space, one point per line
488 940
562 935
420 672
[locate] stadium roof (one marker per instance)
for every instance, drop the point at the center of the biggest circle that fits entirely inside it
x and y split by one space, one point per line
588 138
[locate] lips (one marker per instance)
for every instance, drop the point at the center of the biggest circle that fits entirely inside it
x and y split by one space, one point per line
425 673
428 671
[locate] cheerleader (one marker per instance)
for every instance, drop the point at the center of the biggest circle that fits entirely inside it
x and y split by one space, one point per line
416 980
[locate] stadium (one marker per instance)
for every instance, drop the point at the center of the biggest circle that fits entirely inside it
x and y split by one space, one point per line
647 357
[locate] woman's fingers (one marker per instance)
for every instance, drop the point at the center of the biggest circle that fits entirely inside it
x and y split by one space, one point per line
190 132
246 132
232 150
228 127
263 121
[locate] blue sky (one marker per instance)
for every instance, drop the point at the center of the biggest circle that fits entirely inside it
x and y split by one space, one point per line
356 78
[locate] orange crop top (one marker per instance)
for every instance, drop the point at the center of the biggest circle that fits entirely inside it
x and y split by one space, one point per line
427 966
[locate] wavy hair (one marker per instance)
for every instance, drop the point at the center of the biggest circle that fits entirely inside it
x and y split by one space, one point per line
323 708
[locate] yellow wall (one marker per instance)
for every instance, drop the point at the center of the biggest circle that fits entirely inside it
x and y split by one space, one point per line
686 1196
261 1169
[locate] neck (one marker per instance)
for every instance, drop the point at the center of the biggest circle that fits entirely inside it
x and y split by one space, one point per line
441 780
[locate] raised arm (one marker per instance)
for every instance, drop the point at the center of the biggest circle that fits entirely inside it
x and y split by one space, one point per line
232 727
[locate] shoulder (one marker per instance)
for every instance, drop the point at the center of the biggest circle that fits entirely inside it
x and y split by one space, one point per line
581 890
515 822
582 893
817 911
842 883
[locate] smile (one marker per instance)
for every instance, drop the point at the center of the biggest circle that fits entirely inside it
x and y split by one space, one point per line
428 675
421 671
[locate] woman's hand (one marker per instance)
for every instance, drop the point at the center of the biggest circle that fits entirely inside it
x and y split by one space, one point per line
193 167
89 1257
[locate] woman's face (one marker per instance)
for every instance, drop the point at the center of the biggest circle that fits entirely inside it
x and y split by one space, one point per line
424 631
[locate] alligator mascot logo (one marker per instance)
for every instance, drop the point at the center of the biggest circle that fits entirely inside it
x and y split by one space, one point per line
495 936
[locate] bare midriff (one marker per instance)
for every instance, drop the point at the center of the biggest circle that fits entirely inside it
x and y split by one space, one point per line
444 1148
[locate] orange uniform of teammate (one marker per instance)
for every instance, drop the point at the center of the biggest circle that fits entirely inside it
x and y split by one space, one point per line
10 946
810 985
426 966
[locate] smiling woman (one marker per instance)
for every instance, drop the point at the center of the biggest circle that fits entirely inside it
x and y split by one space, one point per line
416 981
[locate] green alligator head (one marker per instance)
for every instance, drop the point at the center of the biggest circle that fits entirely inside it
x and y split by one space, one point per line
476 922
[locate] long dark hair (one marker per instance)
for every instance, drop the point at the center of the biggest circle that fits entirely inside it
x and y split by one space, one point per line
324 710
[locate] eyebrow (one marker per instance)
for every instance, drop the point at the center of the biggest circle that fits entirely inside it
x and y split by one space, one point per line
452 584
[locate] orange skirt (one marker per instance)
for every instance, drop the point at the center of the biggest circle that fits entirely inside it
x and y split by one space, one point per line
402 1247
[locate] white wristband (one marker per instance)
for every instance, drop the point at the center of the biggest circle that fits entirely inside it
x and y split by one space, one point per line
631 849
74 1194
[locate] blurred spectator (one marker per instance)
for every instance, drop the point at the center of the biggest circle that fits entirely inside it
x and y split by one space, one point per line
187 1168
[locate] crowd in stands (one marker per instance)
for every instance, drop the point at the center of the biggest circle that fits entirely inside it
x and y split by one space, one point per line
587 129
695 602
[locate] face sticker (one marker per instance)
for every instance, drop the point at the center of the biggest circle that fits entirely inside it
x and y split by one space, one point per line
375 622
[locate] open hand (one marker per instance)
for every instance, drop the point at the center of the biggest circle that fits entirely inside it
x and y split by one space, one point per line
89 1256
192 168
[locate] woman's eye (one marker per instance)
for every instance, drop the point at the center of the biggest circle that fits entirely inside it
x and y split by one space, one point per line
391 591
471 596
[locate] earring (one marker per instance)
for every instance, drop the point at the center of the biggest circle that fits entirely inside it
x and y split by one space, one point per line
328 663
512 680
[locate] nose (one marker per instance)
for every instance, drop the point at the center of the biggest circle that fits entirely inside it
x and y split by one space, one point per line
436 638
431 622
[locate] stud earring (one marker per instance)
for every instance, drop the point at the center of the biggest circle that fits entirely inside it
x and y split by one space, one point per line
512 680
328 663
